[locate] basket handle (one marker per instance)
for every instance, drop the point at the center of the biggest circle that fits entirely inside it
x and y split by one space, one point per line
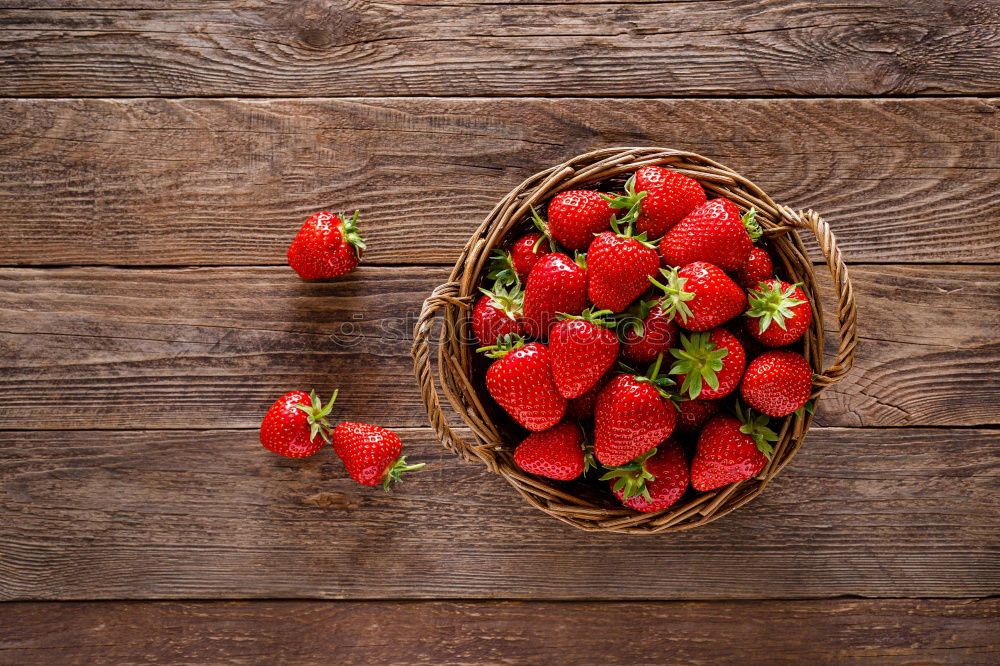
847 313
445 295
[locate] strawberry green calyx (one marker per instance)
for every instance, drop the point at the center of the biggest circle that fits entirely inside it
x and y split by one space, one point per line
317 413
661 384
674 297
698 360
631 201
501 269
505 345
751 224
756 427
395 471
770 303
634 317
631 477
508 299
352 235
604 318
629 231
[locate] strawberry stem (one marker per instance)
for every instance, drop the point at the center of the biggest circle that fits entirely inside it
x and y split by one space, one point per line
505 344
395 471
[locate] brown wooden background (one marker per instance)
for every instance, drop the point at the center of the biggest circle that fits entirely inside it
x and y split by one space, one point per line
157 157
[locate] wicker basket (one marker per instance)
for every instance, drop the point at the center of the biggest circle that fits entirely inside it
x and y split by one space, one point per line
579 503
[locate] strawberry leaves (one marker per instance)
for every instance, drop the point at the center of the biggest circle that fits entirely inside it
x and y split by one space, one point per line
674 300
631 477
751 224
756 427
699 361
772 304
317 413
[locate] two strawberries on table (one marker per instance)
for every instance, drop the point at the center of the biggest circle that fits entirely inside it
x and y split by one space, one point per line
297 424
595 316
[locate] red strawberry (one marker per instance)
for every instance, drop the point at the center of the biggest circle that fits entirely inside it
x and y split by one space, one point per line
779 313
326 247
295 426
575 216
556 284
526 251
497 313
692 414
582 349
661 197
709 365
712 232
521 382
758 267
619 266
647 335
700 296
632 416
556 453
777 383
730 450
582 407
652 483
371 454
512 266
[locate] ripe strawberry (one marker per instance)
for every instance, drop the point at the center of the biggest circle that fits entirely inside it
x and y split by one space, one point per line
779 313
692 414
619 266
371 454
326 247
648 334
556 284
582 407
497 313
632 416
582 349
520 380
556 453
661 197
576 216
758 267
714 232
526 251
652 482
731 449
295 426
700 296
709 365
777 383
512 266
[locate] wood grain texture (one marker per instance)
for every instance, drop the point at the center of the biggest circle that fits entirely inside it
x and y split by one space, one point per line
302 632
211 514
196 182
351 47
213 347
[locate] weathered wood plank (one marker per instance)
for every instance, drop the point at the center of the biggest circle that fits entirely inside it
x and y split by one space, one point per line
213 347
321 48
211 514
759 632
195 182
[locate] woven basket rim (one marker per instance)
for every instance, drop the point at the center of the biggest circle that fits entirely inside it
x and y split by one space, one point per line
453 299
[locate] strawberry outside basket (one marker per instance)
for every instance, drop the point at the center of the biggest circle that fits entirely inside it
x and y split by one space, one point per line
581 503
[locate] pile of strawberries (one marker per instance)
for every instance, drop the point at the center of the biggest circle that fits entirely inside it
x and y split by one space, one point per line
629 354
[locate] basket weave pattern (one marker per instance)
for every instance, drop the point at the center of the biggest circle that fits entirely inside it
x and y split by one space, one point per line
490 445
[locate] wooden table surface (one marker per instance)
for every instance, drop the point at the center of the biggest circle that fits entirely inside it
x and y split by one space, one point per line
155 161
